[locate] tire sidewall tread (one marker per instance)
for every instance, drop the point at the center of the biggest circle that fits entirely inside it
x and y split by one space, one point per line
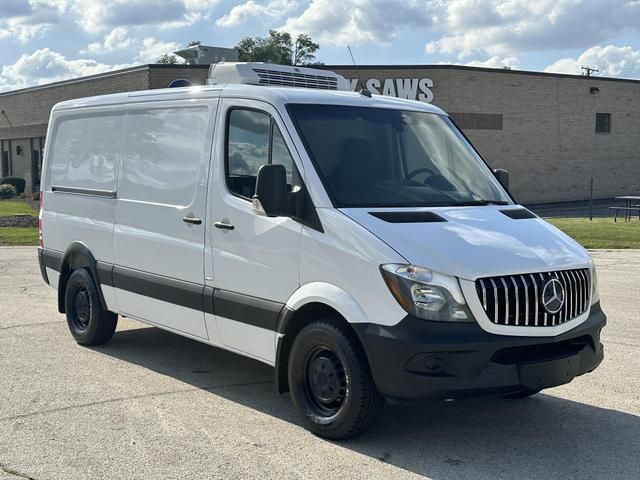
102 323
363 403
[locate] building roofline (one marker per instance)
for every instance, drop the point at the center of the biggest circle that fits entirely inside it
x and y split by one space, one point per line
445 66
159 66
122 71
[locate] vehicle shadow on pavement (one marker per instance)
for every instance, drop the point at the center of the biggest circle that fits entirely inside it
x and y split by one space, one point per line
540 437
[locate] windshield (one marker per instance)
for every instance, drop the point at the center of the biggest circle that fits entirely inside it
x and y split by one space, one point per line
380 157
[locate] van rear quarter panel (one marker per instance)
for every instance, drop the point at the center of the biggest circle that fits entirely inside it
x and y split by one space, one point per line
72 217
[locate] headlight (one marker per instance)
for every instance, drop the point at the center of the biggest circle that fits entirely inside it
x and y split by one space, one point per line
425 294
595 295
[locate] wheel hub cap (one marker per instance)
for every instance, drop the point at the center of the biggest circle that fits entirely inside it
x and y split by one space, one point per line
83 308
325 379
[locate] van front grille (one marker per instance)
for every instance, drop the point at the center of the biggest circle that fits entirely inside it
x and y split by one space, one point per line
290 79
519 300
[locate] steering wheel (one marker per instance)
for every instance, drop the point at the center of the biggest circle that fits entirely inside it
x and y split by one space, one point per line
418 172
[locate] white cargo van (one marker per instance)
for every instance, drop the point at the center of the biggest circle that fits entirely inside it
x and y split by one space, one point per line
356 243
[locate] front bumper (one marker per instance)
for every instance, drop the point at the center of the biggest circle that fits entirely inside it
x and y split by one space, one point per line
418 359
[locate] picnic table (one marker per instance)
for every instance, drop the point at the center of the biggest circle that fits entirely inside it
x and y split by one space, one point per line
631 205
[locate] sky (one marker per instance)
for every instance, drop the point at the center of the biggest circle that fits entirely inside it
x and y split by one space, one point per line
42 41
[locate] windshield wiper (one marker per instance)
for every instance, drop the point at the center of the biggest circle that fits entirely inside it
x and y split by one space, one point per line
469 203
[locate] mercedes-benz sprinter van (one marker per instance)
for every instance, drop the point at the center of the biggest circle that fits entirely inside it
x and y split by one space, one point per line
357 243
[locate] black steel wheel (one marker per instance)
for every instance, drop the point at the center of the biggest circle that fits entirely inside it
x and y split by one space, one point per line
330 381
88 322
325 381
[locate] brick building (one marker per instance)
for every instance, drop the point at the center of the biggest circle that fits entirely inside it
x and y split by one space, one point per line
552 132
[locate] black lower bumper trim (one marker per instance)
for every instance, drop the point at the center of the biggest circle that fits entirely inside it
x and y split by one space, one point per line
418 359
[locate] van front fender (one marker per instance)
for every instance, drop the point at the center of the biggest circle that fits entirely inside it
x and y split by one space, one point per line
330 295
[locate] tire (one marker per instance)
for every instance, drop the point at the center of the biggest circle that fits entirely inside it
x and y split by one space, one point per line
88 322
524 393
330 382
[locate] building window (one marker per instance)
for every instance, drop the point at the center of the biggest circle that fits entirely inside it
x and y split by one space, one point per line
603 123
478 121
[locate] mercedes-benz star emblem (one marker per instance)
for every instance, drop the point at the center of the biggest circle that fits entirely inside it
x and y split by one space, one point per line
553 296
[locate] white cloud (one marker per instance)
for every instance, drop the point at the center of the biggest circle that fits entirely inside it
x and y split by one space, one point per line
496 27
45 66
26 19
612 61
270 10
153 49
117 39
101 15
342 22
496 62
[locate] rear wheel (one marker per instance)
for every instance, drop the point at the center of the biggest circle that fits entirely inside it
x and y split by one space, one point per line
88 322
330 382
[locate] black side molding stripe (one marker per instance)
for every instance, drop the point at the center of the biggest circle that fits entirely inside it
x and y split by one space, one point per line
105 273
93 192
207 300
254 311
178 292
246 309
52 259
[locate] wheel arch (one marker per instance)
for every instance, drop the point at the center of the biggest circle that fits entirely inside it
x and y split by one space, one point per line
77 256
309 303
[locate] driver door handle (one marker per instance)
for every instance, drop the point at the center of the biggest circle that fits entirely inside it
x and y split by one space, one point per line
223 226
192 220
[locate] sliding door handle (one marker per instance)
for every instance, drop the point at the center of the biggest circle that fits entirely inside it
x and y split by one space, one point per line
192 220
223 226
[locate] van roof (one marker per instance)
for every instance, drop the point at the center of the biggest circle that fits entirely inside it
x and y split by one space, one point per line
273 95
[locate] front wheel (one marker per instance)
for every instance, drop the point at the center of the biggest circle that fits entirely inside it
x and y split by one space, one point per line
330 382
88 322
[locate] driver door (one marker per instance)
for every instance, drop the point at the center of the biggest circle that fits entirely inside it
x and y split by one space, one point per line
256 259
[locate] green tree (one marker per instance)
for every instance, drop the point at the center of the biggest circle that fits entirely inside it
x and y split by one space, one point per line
167 59
304 50
278 47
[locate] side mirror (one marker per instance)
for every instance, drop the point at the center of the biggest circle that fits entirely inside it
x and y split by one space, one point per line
503 177
270 198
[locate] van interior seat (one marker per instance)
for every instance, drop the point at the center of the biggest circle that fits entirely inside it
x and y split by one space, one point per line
356 168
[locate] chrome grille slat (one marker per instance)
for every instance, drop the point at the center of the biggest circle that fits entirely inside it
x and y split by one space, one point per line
484 295
506 302
517 313
495 301
526 300
513 295
580 290
544 311
535 298
566 309
576 293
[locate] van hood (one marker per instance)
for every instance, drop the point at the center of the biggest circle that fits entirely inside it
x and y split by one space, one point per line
475 242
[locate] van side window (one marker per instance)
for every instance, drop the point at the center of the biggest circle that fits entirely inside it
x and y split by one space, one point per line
253 140
163 154
85 152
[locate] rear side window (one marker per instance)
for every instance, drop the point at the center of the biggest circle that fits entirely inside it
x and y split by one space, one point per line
85 152
253 140
164 151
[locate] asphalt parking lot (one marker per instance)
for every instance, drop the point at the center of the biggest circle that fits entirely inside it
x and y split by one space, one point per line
154 405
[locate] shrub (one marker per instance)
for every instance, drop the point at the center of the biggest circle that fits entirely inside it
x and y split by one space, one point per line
17 182
7 191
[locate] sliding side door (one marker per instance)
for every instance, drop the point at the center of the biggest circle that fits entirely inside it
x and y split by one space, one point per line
160 214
